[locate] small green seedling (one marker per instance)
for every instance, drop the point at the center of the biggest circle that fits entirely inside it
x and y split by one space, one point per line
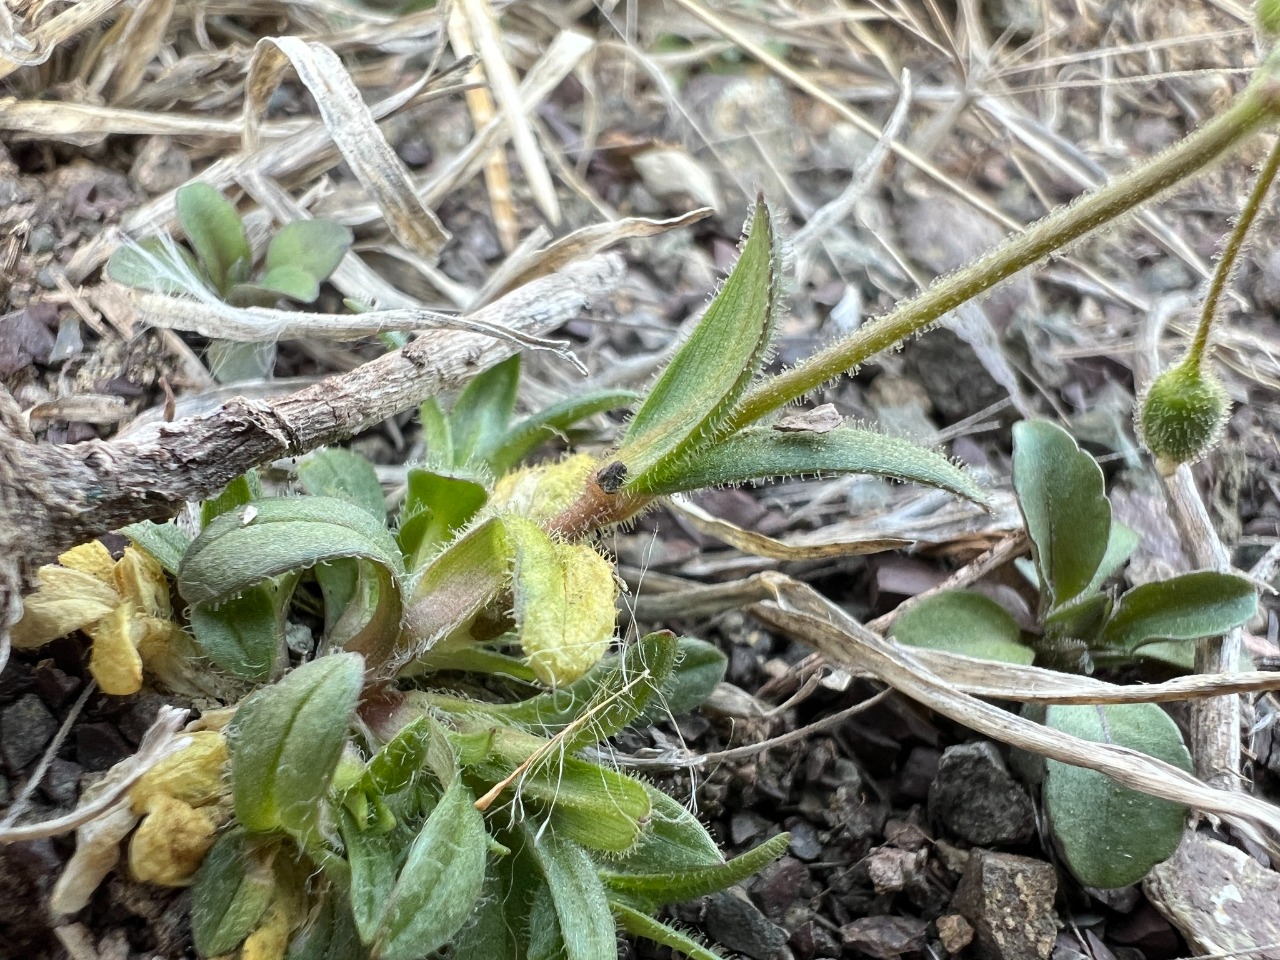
1110 835
300 256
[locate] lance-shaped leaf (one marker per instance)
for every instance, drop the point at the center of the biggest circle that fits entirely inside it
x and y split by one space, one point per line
437 433
1121 543
232 891
588 803
153 264
373 858
302 255
693 398
243 635
699 667
674 840
329 934
499 914
456 585
436 506
440 881
214 231
1204 604
520 440
1063 500
337 472
1110 835
285 741
255 542
959 621
564 602
482 411
757 453
642 925
650 891
420 745
166 542
579 898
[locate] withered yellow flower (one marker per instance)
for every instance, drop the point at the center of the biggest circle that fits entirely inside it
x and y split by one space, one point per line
196 774
122 605
171 842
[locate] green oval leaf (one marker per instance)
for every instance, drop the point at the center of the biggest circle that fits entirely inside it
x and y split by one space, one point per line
440 882
1204 604
674 839
214 231
480 415
699 668
694 396
757 453
1064 503
313 248
436 506
285 741
152 264
329 934
232 891
960 621
1112 836
244 635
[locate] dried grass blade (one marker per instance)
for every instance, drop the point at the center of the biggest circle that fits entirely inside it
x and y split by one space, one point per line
44 39
487 36
802 612
354 130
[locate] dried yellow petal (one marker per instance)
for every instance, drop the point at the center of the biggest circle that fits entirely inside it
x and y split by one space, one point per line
171 843
115 662
65 600
196 774
269 941
140 578
91 558
97 853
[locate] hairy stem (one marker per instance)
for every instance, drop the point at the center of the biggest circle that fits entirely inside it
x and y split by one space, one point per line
1230 254
1254 108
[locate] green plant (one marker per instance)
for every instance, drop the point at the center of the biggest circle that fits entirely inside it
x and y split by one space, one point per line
1110 835
300 256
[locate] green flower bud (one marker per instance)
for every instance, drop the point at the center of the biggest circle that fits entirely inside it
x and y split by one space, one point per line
1182 415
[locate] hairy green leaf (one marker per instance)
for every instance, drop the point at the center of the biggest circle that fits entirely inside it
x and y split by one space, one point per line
480 415
519 441
166 542
498 915
1120 545
757 453
313 248
642 925
373 858
1204 604
1063 500
422 743
243 635
673 840
579 898
337 472
650 891
699 667
437 433
436 506
150 265
440 882
1110 835
960 621
456 585
270 537
1081 620
546 939
694 396
214 231
330 934
285 741
237 493
232 891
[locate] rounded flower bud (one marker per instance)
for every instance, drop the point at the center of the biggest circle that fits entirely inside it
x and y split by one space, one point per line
1182 415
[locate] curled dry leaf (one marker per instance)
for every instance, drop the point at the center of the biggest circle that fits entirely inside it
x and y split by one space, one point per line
171 842
353 129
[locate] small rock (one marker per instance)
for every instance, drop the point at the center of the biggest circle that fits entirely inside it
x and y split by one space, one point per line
954 932
61 784
892 870
99 746
811 939
805 842
917 772
779 886
745 827
54 686
161 165
25 727
139 715
885 937
976 798
1008 900
906 835
737 924
1221 899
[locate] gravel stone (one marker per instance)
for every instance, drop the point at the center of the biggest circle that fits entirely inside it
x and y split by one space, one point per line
976 798
1008 900
25 728
737 924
